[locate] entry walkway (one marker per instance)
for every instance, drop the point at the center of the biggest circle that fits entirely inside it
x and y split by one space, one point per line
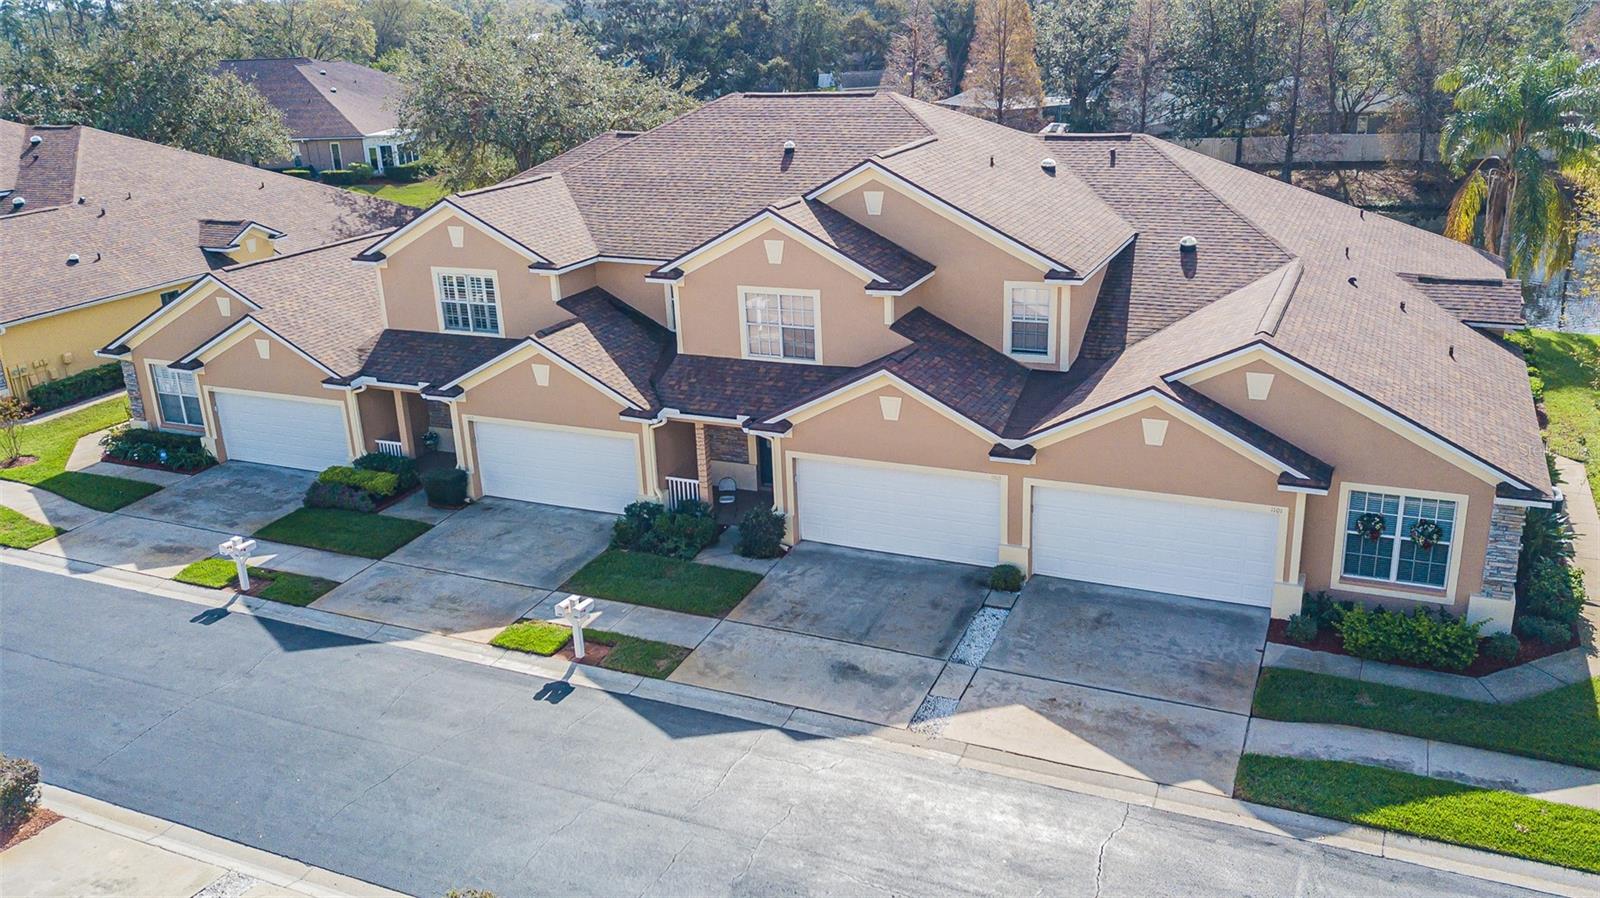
1425 757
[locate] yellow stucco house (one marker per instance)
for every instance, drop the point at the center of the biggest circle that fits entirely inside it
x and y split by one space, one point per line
97 230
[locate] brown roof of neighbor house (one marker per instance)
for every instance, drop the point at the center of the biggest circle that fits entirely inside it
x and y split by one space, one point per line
324 98
46 168
138 224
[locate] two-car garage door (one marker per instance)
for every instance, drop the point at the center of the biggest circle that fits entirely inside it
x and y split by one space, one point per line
905 511
588 469
282 430
1212 551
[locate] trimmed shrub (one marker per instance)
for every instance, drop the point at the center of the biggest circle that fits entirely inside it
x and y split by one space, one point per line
85 384
446 487
1426 637
1323 608
381 484
174 451
354 173
19 791
1554 591
322 494
679 533
1006 578
409 172
1302 628
760 533
305 173
1543 629
404 469
1502 647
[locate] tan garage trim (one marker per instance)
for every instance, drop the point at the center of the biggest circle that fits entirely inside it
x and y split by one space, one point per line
1389 589
789 458
1284 537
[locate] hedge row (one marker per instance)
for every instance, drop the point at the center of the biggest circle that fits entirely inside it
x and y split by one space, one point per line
86 384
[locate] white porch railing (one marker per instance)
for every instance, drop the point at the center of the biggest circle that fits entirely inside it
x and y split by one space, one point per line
390 447
682 489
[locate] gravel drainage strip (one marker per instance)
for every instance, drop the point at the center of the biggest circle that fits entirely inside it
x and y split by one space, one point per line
979 636
932 715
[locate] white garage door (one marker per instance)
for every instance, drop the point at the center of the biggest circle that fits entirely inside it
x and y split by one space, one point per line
574 468
1186 548
944 516
282 430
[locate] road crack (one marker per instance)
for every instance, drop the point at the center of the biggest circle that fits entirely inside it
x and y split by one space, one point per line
1100 856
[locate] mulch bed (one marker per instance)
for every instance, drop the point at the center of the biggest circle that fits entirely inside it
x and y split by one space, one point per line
35 824
20 461
593 653
1328 640
150 465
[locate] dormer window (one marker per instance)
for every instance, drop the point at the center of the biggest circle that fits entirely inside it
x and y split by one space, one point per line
469 301
780 325
1030 324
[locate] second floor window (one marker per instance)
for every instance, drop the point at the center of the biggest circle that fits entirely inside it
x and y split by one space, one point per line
469 302
781 325
1030 320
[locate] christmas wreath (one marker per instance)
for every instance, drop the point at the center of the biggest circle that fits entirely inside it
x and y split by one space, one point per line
1425 533
1370 526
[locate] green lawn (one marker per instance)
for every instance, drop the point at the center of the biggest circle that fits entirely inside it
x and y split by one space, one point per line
1421 806
19 531
52 442
420 194
660 582
290 589
1562 725
629 654
346 532
1570 367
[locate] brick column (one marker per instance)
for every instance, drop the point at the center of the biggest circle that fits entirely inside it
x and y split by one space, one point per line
1505 544
130 382
702 463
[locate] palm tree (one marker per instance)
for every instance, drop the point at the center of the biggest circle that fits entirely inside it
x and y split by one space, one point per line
1528 130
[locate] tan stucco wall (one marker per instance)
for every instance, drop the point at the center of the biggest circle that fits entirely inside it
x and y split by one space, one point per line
675 450
852 330
198 320
514 395
1189 463
77 333
968 286
626 282
1080 307
378 417
408 288
1361 451
315 153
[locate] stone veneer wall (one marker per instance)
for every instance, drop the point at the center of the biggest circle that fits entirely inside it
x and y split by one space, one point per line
728 444
130 382
1505 544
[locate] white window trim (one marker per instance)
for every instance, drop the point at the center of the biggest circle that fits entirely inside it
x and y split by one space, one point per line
816 326
1419 592
155 396
437 272
336 154
1049 356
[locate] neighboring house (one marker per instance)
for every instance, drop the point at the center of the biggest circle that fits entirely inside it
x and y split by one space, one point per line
97 230
857 80
975 102
337 112
1099 357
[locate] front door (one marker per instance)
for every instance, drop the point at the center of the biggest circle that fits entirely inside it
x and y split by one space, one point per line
763 462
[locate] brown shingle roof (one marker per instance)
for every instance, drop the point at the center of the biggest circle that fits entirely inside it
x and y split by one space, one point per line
1480 301
45 171
324 98
729 388
603 142
424 357
611 342
898 267
137 227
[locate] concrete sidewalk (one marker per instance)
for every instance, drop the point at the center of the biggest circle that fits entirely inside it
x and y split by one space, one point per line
1442 760
102 849
1585 521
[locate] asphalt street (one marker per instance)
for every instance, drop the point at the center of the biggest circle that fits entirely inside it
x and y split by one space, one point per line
423 773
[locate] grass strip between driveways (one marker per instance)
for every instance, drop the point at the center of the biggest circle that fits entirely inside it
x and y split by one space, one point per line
1561 725
52 441
290 589
1430 808
343 531
660 582
19 531
629 654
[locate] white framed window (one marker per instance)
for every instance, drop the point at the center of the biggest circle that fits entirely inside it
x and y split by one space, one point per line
177 395
1030 325
780 325
1394 556
469 301
336 154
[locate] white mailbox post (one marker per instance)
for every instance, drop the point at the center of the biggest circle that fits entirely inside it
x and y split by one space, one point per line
574 611
238 548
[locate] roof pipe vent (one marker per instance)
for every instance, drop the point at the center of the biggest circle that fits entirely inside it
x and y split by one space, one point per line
1188 244
333 90
35 140
1113 157
788 146
17 202
82 200
1048 164
72 259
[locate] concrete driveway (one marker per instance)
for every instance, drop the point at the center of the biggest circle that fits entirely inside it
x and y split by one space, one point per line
233 497
514 542
433 601
893 602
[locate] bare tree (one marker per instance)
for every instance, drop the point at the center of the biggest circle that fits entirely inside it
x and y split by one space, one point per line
1001 69
1146 59
1297 15
916 58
